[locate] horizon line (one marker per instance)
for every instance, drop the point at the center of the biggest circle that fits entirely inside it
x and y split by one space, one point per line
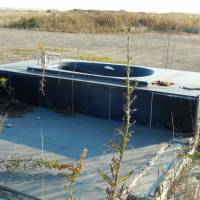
120 10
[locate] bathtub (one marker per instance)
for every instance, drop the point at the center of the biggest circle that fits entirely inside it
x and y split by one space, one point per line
91 71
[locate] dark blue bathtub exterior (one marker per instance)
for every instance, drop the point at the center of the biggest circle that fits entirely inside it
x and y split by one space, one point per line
106 101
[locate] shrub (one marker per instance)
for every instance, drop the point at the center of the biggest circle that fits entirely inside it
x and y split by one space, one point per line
27 23
108 22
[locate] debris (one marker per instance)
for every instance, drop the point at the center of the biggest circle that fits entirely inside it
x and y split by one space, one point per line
162 83
189 88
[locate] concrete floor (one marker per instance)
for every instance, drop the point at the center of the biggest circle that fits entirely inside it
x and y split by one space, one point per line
64 139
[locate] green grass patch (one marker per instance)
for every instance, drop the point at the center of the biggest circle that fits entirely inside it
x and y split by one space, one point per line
91 57
195 156
30 51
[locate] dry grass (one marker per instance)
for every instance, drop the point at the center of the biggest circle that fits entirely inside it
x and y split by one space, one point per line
8 16
100 21
27 53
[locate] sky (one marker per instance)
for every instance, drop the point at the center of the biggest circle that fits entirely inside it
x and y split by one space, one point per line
190 6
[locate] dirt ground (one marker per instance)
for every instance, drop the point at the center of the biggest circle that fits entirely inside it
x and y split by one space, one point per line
149 49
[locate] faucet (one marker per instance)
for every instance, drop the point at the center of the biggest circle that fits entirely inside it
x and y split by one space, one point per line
47 57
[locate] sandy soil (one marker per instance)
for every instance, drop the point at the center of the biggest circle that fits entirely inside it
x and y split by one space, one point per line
150 49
